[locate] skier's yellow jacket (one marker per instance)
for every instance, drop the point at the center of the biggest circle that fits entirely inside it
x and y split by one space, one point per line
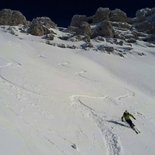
127 115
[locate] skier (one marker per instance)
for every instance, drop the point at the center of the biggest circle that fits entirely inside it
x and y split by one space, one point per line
126 116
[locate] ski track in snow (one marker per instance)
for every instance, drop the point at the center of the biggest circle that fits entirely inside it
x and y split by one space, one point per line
64 64
112 141
128 94
81 73
16 85
9 81
8 64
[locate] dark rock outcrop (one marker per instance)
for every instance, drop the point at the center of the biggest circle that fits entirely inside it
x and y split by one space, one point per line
145 20
38 30
150 38
49 36
145 27
104 29
86 29
102 23
101 14
77 20
122 26
12 17
83 29
40 26
118 15
142 14
45 21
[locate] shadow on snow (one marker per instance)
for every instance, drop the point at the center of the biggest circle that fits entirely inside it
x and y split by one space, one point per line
118 123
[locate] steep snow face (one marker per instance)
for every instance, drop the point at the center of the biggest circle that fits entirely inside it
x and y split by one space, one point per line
69 102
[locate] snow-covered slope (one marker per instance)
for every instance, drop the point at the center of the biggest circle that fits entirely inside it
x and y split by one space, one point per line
60 101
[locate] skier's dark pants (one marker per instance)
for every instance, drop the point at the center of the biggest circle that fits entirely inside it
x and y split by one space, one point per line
130 123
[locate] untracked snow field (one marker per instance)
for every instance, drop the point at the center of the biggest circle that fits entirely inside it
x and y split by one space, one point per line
59 101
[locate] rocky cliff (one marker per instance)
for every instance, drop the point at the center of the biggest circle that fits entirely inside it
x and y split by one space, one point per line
104 23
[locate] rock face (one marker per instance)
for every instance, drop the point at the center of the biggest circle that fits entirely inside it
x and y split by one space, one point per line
49 36
38 30
77 20
104 23
145 27
86 29
101 21
40 26
12 17
45 21
83 29
150 39
104 29
106 14
118 16
122 26
145 20
115 24
101 14
142 14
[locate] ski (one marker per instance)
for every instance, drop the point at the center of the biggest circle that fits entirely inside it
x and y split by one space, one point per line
136 130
